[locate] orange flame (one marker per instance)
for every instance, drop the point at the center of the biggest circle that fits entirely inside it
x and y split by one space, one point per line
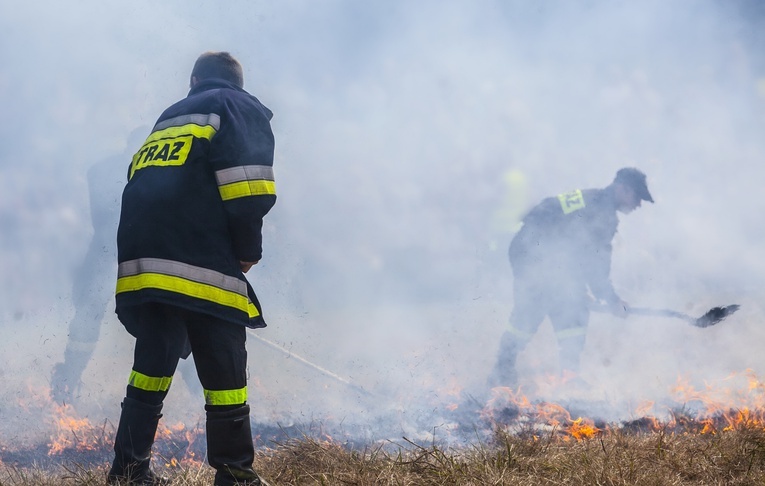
734 402
74 432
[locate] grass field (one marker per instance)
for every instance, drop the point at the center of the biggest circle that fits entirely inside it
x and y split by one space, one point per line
644 452
403 433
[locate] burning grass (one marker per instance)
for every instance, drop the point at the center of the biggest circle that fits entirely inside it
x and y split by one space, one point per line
505 438
624 456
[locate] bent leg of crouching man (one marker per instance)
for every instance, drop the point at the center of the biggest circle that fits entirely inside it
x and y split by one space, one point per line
220 356
529 310
570 323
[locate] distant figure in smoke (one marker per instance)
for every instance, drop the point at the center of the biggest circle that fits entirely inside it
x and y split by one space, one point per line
563 250
93 286
190 227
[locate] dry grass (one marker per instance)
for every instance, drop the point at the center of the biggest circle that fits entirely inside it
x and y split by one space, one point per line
616 457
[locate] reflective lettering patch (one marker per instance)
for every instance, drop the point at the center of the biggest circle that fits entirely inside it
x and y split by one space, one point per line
162 153
170 142
571 201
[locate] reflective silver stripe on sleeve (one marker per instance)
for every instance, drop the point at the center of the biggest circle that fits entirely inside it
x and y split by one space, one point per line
210 119
244 173
183 270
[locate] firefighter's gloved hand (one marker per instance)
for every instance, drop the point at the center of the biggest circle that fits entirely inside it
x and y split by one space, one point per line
619 308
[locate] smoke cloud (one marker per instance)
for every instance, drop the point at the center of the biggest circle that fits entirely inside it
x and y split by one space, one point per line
410 138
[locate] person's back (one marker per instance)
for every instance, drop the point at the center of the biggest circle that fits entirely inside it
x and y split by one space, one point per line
561 259
567 237
190 227
180 215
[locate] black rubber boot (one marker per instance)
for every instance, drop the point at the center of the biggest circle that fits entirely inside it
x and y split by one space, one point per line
230 449
132 445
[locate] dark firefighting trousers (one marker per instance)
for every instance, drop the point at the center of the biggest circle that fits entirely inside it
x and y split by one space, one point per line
537 296
164 334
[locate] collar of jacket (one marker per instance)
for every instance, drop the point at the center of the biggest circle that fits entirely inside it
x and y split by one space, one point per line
213 83
609 195
217 83
604 199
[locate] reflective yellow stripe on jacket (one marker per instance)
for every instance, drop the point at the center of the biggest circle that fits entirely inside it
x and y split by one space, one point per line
246 180
198 282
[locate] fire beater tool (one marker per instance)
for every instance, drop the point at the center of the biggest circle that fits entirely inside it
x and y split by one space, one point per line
713 316
313 366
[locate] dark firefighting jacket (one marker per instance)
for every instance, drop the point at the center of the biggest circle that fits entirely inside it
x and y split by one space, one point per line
568 239
194 203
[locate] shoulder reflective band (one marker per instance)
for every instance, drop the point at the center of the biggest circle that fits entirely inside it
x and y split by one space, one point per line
571 201
198 282
170 142
201 120
571 333
149 383
226 397
245 180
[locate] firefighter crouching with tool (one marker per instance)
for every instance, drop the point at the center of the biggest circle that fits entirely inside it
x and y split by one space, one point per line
562 251
190 225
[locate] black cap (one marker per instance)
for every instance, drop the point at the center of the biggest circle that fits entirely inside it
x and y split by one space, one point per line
635 179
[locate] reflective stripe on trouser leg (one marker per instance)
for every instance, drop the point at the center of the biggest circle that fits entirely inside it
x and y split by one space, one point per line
220 356
226 397
148 389
161 338
150 383
519 335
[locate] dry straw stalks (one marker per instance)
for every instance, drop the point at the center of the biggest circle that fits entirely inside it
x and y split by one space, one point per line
614 457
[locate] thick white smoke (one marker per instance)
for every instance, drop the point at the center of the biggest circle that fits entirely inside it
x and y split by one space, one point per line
409 134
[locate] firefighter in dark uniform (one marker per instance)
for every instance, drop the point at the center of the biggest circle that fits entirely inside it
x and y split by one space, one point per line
190 227
561 261
93 285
